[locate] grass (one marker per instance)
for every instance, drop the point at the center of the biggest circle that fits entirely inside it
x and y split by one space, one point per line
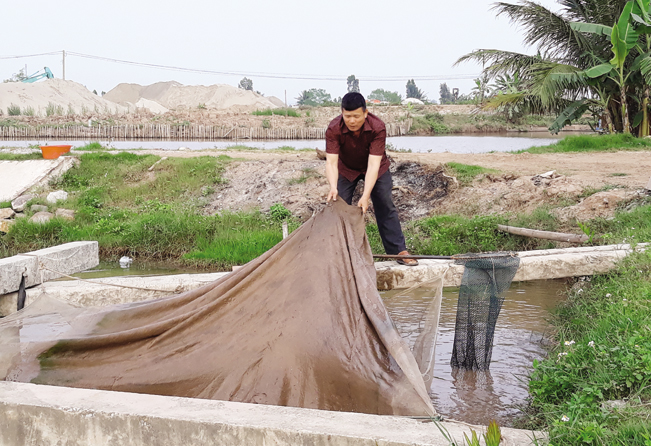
21 156
5 204
594 143
306 174
92 146
129 212
466 173
277 111
603 354
245 148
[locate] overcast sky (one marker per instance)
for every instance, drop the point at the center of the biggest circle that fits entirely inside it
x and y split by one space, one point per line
335 38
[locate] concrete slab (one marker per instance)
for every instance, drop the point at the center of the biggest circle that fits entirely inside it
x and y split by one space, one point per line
18 176
47 264
103 292
37 414
534 265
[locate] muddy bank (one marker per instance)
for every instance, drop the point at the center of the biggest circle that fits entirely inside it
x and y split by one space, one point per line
583 186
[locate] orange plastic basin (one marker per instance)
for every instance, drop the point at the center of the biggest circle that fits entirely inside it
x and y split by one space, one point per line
53 152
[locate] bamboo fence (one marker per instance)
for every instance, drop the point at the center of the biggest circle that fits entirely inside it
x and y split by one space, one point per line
173 132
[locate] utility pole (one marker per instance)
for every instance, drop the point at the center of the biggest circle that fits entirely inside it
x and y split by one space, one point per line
285 98
64 65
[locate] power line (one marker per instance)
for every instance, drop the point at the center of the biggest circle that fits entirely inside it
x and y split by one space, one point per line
256 74
31 55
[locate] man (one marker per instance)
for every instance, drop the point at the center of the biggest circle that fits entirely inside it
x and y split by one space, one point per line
355 142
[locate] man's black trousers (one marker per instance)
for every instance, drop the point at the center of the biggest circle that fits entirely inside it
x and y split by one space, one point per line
386 213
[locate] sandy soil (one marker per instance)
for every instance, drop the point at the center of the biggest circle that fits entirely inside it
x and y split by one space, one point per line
421 187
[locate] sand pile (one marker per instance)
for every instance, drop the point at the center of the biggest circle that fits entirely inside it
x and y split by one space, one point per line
54 97
173 95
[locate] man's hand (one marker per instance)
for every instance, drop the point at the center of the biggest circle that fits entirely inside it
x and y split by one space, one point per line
332 195
363 203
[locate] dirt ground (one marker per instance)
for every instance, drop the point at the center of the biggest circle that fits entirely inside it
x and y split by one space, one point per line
582 186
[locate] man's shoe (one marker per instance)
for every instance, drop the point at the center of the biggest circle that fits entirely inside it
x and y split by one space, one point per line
408 262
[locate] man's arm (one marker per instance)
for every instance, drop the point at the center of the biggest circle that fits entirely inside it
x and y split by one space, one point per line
372 171
332 174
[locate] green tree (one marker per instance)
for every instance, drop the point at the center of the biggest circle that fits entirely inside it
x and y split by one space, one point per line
445 95
246 84
353 84
391 97
17 77
574 70
314 97
414 92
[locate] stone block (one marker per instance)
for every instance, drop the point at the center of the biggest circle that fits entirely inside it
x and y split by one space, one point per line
68 258
5 225
12 270
68 214
53 197
38 208
41 217
19 203
6 213
47 264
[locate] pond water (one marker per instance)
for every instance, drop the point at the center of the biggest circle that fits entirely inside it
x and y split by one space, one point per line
462 143
472 397
520 334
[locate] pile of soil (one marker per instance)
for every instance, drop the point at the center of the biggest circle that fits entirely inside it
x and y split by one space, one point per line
163 96
299 183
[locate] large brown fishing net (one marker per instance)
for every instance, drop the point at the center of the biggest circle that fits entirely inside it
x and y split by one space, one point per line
303 325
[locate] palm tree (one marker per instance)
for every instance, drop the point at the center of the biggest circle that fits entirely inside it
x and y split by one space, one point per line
563 77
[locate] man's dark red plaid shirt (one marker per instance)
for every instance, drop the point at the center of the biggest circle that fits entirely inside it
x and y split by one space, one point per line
354 150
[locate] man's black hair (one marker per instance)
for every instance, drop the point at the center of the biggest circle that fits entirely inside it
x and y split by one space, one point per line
352 101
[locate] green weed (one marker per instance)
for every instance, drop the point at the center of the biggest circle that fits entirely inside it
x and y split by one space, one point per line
603 354
13 110
277 111
306 174
466 173
279 212
594 143
95 145
53 109
21 156
431 122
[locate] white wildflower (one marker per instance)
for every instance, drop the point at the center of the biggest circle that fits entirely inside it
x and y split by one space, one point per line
565 418
591 344
569 342
623 300
608 295
561 354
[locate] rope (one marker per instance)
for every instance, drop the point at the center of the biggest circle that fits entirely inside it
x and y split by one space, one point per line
42 267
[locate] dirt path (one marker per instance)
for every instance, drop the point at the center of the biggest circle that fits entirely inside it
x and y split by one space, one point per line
297 180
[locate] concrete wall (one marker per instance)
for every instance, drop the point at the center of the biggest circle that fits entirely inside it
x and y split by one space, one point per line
45 415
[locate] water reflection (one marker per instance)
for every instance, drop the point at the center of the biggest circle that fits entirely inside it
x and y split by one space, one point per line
479 397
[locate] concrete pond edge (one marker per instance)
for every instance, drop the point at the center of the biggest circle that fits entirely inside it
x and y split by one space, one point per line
39 414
